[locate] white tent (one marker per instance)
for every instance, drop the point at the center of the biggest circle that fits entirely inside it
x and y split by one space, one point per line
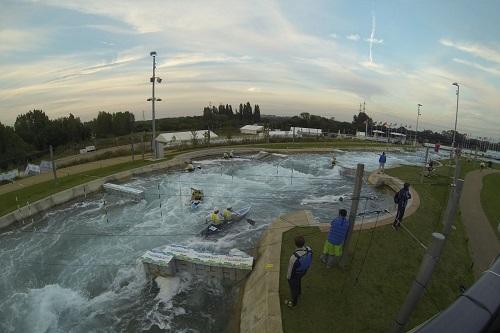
251 129
173 138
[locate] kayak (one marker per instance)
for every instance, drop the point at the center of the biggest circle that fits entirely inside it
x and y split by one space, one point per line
195 204
238 215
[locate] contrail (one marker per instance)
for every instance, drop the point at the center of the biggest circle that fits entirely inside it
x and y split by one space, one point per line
371 37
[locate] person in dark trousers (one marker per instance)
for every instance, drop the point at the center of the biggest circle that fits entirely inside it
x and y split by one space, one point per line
401 199
299 263
381 161
332 250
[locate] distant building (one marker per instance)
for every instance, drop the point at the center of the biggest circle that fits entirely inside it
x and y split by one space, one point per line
280 133
176 138
298 131
251 129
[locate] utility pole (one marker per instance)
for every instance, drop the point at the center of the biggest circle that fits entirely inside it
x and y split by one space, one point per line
153 99
425 164
416 129
53 164
358 183
456 118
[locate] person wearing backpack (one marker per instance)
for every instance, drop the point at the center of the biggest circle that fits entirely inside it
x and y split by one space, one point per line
401 199
299 263
332 250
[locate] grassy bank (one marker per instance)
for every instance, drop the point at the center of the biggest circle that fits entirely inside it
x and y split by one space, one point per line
334 300
9 201
489 200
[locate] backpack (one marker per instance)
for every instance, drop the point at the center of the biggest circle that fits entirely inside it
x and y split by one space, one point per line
396 198
303 262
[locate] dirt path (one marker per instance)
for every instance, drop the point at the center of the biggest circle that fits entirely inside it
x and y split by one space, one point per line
483 243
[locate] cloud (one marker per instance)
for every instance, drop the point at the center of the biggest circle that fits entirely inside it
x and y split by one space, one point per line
491 70
482 51
334 36
374 40
12 40
353 37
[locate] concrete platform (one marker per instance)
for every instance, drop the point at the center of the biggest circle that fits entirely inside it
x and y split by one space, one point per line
261 310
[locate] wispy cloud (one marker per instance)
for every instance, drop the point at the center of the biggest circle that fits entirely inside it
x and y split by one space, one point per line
482 51
353 37
491 70
372 38
12 40
334 36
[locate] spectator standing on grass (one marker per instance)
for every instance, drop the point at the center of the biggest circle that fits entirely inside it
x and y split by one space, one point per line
401 199
381 161
332 250
299 263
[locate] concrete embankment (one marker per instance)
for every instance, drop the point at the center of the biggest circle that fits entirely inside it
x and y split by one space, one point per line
260 309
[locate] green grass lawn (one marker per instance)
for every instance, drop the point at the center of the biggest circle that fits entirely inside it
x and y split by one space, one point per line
333 300
39 191
489 200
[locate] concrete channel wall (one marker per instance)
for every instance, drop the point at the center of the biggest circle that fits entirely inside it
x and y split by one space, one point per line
260 309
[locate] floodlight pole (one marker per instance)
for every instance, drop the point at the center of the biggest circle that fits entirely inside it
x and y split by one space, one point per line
153 99
416 129
456 118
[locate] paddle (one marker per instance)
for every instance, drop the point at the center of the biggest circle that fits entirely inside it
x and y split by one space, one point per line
250 221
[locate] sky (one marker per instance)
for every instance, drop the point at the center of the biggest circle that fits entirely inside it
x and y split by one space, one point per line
322 57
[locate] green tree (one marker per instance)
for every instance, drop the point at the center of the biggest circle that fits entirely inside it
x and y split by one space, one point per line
12 148
33 128
103 125
256 113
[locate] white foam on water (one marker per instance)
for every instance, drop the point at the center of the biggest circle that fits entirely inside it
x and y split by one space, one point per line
98 296
169 287
322 199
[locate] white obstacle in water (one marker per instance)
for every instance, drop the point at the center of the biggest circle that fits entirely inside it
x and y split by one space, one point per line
170 259
261 155
124 190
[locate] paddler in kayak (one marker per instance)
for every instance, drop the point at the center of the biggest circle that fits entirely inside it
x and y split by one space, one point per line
227 214
334 161
196 194
215 218
189 166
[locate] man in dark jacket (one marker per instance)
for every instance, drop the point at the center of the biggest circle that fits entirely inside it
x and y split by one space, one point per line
401 199
299 263
332 250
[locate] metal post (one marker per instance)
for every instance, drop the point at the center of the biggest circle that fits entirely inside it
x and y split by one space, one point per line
457 170
456 118
416 129
425 164
133 151
354 211
419 284
153 107
53 163
452 207
142 144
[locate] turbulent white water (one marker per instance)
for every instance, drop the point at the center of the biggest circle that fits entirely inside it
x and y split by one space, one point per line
75 268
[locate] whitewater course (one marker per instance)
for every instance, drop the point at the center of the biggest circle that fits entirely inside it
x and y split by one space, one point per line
76 267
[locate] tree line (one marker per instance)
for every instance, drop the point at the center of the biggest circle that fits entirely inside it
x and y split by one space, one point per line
33 132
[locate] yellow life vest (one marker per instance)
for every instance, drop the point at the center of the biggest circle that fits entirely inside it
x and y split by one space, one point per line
214 218
227 214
